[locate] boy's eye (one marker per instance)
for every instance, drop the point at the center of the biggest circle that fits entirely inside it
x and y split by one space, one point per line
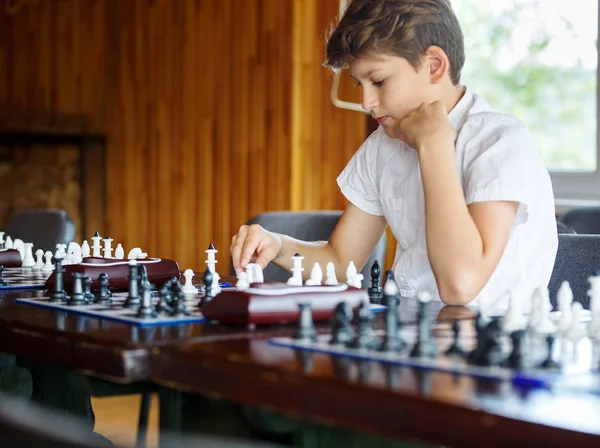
378 83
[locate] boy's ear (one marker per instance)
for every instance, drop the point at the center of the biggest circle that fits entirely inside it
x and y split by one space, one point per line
437 62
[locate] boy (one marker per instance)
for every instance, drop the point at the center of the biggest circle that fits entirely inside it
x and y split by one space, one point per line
461 186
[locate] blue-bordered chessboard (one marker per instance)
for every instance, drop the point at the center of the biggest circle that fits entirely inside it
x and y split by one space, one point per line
24 278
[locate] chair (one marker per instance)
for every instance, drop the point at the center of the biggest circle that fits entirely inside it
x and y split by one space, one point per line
583 220
310 226
45 228
577 259
562 228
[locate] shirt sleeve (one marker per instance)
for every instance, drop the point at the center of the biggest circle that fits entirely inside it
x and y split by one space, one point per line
503 165
358 181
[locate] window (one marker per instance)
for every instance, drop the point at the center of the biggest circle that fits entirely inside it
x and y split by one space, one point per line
538 60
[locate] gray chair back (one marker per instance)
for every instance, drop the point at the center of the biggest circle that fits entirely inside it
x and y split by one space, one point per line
577 259
583 220
563 228
45 228
310 226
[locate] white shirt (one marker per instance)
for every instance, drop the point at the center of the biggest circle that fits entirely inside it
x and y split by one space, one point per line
497 161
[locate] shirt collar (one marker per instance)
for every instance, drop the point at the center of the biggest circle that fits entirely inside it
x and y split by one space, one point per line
459 112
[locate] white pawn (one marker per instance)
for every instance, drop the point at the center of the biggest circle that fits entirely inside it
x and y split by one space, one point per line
514 319
564 300
242 281
353 278
28 260
39 262
20 246
48 266
188 288
297 269
576 330
119 252
540 317
85 249
330 279
8 244
316 275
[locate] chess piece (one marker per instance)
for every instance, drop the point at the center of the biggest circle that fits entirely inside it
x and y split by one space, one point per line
594 295
297 269
516 358
330 277
188 288
514 320
456 348
107 247
28 260
341 331
2 240
254 273
353 278
8 244
242 281
549 362
136 254
74 249
119 252
491 354
48 266
365 336
163 307
39 263
392 341
316 276
58 293
133 297
146 310
87 289
103 296
96 248
207 280
425 346
211 262
179 307
2 281
375 291
77 296
576 330
19 245
85 249
564 300
305 331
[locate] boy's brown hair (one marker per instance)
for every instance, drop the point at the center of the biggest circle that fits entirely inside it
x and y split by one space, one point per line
404 28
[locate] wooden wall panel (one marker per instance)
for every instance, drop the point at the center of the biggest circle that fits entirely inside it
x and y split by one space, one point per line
214 110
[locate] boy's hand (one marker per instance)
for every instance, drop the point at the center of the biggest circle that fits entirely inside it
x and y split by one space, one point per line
253 243
427 126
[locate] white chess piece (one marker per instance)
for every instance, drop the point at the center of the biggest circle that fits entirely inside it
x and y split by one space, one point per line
514 319
119 252
316 275
330 279
353 278
2 237
576 330
8 244
96 247
48 266
19 245
108 247
211 263
594 295
564 300
28 260
188 288
254 273
74 249
85 249
242 281
297 269
39 262
540 320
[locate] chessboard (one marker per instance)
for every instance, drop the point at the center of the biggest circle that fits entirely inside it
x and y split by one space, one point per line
23 278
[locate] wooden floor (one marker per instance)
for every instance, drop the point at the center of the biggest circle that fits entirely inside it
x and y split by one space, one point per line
117 419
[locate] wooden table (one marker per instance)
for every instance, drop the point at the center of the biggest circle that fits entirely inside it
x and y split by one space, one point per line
401 402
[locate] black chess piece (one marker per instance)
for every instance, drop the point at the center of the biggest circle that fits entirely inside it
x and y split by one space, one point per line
549 362
58 293
341 331
365 336
207 279
425 346
491 353
133 297
103 297
392 341
375 291
179 307
305 331
142 276
475 354
77 296
87 289
456 349
146 309
164 300
2 281
515 359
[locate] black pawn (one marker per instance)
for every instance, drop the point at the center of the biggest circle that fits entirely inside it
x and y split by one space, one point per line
103 296
133 297
515 359
207 279
305 331
146 310
2 281
163 306
375 291
365 336
549 362
456 349
87 289
58 292
342 332
77 296
491 353
179 308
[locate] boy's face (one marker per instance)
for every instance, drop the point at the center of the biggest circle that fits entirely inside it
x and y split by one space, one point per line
391 88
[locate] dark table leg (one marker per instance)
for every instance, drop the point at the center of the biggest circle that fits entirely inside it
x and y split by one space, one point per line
170 413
